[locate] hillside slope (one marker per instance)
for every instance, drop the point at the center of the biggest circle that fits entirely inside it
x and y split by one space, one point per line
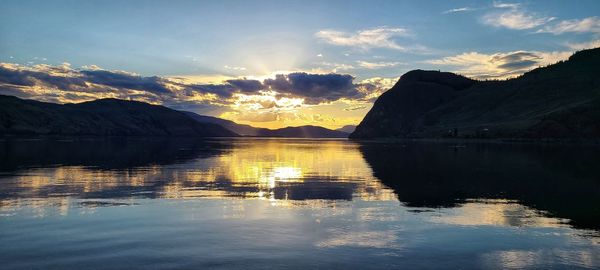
558 101
103 117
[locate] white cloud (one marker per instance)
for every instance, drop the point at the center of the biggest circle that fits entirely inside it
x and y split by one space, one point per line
234 68
335 67
584 45
506 5
91 67
513 16
586 25
365 39
515 19
376 65
499 65
320 55
455 10
355 108
374 87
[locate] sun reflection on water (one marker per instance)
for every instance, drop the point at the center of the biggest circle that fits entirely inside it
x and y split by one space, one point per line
284 172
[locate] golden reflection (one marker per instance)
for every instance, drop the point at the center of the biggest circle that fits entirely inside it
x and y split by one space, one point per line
497 213
285 172
272 169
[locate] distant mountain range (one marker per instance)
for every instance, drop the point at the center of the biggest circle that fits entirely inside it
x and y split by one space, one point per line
247 130
558 101
347 128
241 129
114 117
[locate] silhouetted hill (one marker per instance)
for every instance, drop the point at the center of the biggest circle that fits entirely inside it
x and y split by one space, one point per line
302 132
347 128
104 117
558 101
290 132
241 129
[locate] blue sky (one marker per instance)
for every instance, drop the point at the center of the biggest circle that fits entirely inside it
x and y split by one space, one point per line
212 41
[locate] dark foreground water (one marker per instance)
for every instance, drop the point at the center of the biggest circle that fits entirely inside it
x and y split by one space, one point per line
296 204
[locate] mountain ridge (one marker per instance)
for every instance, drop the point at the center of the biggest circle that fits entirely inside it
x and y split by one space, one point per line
101 117
306 131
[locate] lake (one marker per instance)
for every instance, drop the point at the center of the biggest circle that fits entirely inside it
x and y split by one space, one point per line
297 204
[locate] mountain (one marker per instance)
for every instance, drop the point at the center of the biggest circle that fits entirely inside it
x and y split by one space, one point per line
102 117
347 128
241 129
291 132
302 132
558 101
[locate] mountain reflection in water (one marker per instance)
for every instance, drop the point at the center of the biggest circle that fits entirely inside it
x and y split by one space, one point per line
534 180
296 203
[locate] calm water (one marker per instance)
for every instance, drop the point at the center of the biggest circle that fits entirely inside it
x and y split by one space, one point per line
296 204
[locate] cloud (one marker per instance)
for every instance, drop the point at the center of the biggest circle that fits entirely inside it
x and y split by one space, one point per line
355 108
64 84
365 39
586 25
372 88
515 19
506 5
257 116
584 45
335 67
456 10
220 90
499 65
121 79
315 88
376 65
246 86
234 68
50 76
512 16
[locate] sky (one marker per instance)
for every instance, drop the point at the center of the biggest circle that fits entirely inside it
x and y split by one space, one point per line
274 63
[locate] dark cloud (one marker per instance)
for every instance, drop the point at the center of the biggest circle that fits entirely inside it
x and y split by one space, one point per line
152 84
516 56
247 86
227 89
519 64
31 78
70 84
517 60
315 88
16 77
221 90
280 83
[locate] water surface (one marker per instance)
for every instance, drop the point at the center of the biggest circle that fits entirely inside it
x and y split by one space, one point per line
296 204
